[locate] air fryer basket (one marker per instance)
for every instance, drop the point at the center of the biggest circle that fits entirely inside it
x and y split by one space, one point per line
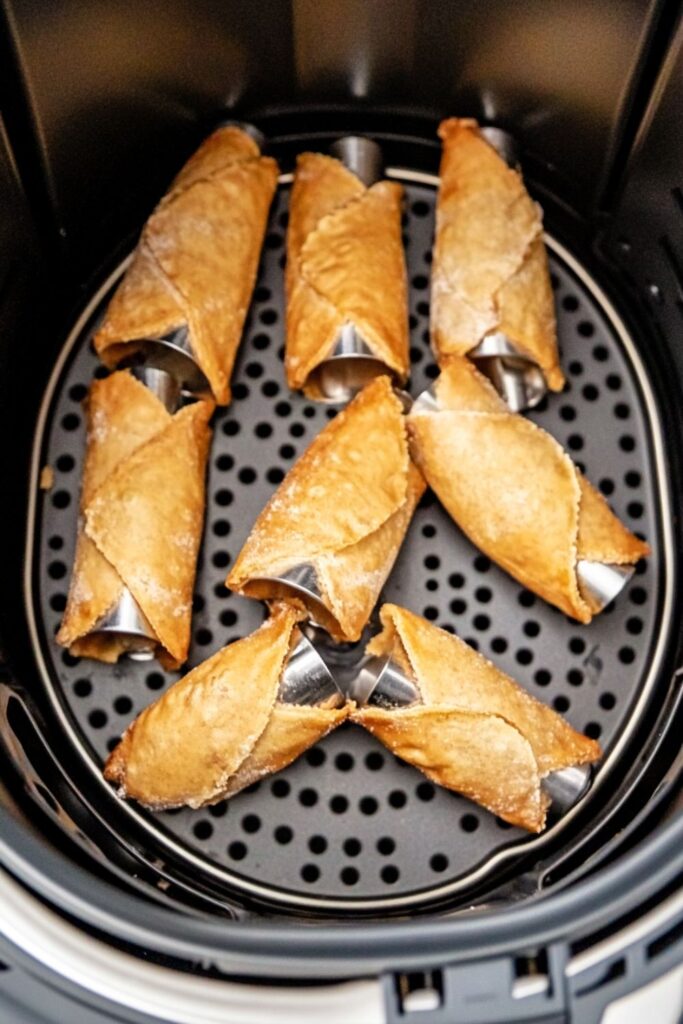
350 830
348 865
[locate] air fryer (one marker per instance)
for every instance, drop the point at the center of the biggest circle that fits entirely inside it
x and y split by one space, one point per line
346 887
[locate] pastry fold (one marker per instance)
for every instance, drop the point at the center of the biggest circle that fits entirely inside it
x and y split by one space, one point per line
515 492
196 262
221 727
490 269
345 264
344 509
141 516
475 730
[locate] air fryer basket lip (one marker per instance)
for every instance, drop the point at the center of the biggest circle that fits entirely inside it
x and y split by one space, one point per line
326 951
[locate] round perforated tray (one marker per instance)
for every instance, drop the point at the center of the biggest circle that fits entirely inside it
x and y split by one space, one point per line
349 821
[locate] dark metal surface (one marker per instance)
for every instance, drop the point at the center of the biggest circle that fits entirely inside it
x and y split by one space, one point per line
349 821
559 73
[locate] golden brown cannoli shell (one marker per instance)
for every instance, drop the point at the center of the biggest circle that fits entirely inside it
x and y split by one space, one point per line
221 727
490 268
345 264
514 491
196 262
476 730
343 508
141 516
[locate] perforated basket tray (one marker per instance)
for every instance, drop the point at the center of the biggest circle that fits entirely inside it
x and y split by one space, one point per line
349 826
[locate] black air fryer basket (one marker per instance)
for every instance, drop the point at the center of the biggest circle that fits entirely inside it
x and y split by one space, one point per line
346 886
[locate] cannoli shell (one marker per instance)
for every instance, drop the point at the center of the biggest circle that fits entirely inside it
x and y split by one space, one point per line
141 515
343 508
196 262
476 730
514 491
221 727
490 268
345 263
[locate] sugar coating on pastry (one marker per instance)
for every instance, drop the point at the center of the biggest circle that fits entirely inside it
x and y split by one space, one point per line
141 517
514 491
345 264
475 729
490 268
196 262
221 727
343 508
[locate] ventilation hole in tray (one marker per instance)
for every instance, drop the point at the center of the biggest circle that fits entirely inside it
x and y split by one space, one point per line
524 656
251 823
469 823
82 687
155 681
499 645
590 392
458 606
637 595
71 421
344 761
237 850
606 486
218 810
280 788
438 862
570 303
368 805
339 804
123 705
308 797
600 354
240 392
575 442
635 509
374 761
317 844
431 613
55 543
626 655
593 730
202 829
542 677
58 602
98 718
221 528
561 704
310 873
349 875
56 570
634 625
397 798
607 700
112 743
352 847
231 428
283 835
390 874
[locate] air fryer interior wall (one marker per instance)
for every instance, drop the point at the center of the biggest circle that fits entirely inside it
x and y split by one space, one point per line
104 108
